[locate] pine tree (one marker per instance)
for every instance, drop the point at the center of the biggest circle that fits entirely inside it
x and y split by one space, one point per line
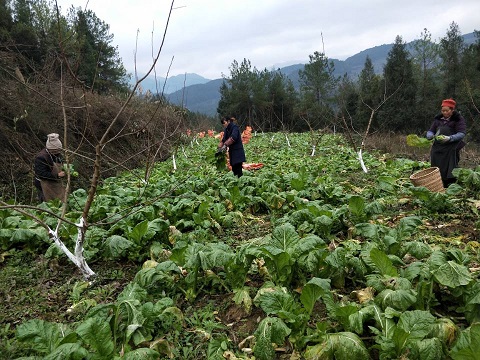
282 93
370 94
23 33
6 22
317 90
426 65
452 48
96 61
262 99
236 95
348 99
469 96
399 89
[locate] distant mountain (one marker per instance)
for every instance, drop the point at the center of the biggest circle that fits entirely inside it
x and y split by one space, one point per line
171 85
203 96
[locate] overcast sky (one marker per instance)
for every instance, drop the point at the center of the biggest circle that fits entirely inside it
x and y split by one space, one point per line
206 36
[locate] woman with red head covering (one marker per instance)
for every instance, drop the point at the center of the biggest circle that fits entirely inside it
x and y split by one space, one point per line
448 130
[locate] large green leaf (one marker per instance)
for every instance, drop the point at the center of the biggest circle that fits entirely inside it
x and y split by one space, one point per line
275 300
132 291
270 330
418 249
452 275
22 235
356 205
116 246
417 323
338 346
315 289
43 336
421 142
357 319
397 299
139 231
467 346
215 255
436 259
382 262
68 351
142 323
284 238
97 335
427 349
473 297
469 177
407 226
370 231
308 244
141 354
216 348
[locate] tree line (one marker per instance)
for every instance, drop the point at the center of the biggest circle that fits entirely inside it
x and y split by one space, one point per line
41 40
405 96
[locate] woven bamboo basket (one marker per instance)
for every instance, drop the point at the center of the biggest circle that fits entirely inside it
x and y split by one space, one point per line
429 178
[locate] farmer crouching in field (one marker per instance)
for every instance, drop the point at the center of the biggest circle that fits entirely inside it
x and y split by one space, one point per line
232 138
48 170
448 130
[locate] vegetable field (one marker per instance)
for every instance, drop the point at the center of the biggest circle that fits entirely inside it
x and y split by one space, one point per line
308 257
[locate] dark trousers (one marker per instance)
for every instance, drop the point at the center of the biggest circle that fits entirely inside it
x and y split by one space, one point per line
237 169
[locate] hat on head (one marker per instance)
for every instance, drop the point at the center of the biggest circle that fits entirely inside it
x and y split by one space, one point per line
53 142
449 103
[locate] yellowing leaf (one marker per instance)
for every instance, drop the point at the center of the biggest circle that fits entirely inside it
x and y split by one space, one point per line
364 295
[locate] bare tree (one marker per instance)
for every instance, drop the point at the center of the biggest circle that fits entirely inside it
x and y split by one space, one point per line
113 132
350 128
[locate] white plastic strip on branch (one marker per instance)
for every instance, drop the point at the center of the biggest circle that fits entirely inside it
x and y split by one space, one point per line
313 151
76 258
184 153
288 141
360 158
87 272
174 162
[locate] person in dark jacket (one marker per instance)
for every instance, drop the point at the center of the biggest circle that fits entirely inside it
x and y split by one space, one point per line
48 170
448 130
232 139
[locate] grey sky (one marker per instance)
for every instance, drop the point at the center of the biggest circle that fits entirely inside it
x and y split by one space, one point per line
206 36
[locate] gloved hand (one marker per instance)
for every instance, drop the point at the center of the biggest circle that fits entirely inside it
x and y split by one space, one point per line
443 138
222 148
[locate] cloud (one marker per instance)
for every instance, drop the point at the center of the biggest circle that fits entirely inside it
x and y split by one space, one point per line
205 36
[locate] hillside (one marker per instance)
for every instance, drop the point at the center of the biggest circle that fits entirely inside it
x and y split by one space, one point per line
28 115
158 84
203 98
